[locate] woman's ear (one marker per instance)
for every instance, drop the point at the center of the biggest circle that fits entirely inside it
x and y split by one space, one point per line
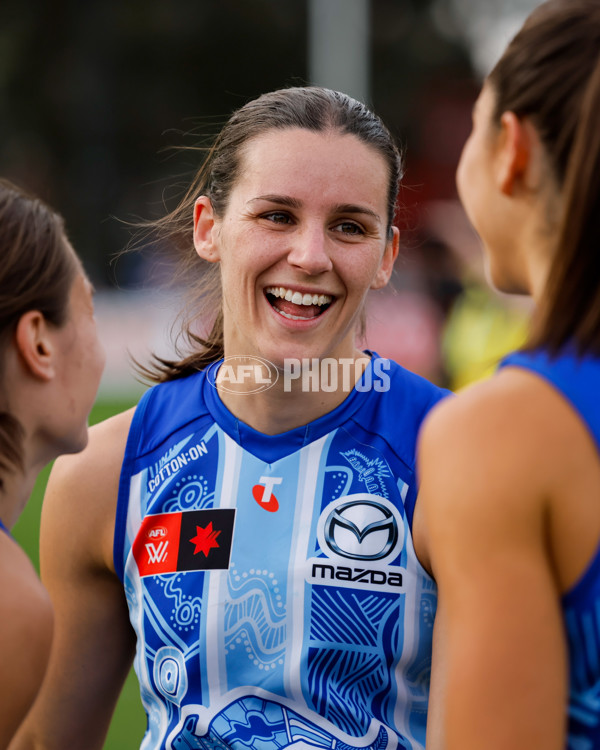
390 254
515 153
34 345
205 230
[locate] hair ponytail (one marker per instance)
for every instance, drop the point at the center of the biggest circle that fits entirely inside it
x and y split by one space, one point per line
11 444
570 310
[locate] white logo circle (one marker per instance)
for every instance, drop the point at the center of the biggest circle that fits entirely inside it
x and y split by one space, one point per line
361 527
243 374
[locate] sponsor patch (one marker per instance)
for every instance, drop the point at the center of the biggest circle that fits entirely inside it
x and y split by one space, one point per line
360 536
263 493
190 540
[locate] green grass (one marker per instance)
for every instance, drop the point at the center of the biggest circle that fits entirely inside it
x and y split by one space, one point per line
129 721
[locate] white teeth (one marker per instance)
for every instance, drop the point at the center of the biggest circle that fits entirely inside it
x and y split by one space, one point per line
291 317
297 298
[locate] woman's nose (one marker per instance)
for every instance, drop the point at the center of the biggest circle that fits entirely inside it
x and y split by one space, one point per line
309 251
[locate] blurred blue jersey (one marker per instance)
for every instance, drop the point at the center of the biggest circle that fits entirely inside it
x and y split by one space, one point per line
271 579
578 379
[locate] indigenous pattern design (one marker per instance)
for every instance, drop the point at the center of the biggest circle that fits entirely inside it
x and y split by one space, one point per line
271 580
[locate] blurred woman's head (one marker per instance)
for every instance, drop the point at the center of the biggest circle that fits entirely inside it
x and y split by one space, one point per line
545 90
43 294
38 265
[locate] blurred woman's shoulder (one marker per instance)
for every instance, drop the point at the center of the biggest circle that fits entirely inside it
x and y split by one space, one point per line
25 632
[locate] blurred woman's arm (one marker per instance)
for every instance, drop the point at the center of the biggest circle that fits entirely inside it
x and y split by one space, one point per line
25 632
499 671
93 642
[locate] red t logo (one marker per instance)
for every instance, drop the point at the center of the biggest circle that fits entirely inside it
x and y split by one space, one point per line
263 493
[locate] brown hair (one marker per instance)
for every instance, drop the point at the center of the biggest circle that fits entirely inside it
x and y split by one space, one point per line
550 73
311 108
36 273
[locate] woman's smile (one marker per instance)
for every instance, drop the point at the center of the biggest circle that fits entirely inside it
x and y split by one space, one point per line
303 239
297 305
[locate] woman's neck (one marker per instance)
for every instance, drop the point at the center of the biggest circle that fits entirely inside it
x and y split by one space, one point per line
293 396
18 481
17 486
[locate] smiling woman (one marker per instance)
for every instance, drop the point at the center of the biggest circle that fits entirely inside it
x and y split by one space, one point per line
307 218
269 580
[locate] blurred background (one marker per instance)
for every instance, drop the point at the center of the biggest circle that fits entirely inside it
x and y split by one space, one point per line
97 97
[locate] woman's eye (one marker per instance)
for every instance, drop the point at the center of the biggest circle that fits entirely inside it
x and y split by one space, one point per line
277 217
348 227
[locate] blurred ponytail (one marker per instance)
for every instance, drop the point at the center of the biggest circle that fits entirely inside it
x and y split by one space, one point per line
571 306
11 440
550 74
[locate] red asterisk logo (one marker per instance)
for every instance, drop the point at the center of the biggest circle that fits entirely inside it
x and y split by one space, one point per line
205 539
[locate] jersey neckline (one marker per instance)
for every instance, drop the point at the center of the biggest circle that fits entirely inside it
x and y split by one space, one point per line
271 448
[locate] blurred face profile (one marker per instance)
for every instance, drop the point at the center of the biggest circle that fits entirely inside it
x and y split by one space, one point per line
490 209
474 176
477 189
80 362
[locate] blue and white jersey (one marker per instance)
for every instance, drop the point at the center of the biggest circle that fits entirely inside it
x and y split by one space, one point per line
578 379
271 579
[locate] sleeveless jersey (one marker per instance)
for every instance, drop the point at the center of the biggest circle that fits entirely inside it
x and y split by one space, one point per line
578 379
271 579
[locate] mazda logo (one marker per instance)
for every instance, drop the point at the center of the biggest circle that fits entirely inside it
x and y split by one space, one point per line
361 529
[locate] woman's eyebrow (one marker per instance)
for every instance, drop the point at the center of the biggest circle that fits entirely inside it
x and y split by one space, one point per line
353 208
340 208
281 200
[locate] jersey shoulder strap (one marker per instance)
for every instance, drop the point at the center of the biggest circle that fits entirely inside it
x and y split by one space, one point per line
577 378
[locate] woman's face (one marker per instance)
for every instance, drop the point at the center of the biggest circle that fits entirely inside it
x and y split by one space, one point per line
303 239
489 209
79 365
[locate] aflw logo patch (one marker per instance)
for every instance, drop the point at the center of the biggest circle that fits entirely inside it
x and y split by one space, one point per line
191 540
157 552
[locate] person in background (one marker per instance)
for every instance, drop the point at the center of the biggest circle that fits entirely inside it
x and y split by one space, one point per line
247 531
51 366
510 469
